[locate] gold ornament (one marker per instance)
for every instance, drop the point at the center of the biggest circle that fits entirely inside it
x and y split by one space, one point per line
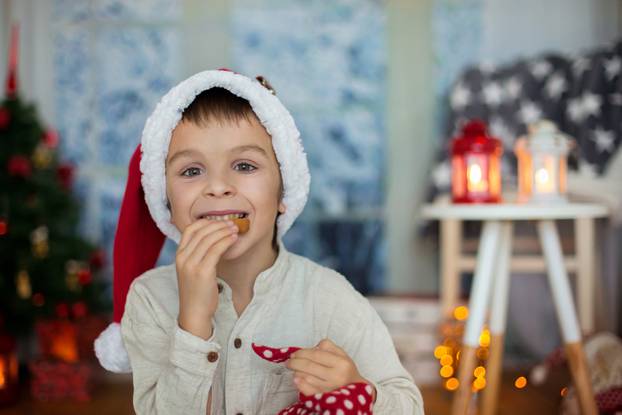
22 283
42 157
39 239
71 279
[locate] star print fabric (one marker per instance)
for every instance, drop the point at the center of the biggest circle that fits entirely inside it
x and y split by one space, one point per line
581 94
352 399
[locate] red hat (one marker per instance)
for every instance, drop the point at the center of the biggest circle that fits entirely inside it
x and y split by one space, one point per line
137 246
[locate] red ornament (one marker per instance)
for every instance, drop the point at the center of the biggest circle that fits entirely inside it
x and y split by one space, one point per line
3 227
62 310
98 259
65 175
79 309
38 299
50 138
84 276
5 118
475 165
11 79
19 166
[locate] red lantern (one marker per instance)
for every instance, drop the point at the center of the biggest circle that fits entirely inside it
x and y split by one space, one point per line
475 165
9 391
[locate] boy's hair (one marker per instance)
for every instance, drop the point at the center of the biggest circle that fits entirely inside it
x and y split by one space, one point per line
220 105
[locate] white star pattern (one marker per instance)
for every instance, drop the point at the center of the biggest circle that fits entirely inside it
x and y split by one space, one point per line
460 97
540 69
555 86
603 139
591 103
529 112
513 87
612 67
493 94
575 110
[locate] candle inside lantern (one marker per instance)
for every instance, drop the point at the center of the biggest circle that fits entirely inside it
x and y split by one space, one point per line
475 177
8 370
3 369
544 178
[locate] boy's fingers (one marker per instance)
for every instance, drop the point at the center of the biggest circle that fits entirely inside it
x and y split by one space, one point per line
305 387
207 244
189 231
323 357
328 345
212 256
309 367
199 235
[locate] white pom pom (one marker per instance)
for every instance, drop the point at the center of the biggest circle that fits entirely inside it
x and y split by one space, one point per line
110 350
539 374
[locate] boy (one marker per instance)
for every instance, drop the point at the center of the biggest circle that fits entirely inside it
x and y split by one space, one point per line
220 148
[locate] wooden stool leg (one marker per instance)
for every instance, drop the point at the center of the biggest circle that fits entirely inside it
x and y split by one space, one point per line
566 315
586 278
498 321
478 303
451 239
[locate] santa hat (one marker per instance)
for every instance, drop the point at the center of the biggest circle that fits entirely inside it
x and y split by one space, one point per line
144 218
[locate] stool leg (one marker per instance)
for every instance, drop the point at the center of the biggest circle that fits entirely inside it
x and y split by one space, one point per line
478 303
497 320
562 296
586 276
451 238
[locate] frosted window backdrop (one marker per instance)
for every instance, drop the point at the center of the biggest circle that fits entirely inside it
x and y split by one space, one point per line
326 60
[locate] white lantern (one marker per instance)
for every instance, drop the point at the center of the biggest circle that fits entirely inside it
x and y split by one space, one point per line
542 163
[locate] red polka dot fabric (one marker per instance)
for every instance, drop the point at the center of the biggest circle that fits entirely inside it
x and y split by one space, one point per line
610 401
352 399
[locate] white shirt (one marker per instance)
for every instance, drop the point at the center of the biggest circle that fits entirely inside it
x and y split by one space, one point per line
296 302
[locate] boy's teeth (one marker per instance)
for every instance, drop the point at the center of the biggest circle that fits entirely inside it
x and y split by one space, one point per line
225 217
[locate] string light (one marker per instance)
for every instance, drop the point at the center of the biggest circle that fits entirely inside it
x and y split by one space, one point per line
449 350
520 382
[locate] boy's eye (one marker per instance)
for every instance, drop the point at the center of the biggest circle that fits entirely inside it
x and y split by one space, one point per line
245 167
192 171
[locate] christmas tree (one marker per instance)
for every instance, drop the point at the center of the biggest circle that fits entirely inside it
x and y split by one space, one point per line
46 268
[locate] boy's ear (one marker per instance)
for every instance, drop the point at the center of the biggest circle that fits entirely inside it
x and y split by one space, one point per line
282 207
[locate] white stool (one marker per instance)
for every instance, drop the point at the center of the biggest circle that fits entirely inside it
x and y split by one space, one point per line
494 255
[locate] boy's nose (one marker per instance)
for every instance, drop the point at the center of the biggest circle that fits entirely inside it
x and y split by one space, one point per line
218 188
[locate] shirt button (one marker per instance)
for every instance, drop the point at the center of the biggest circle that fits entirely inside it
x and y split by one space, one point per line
219 288
212 356
237 343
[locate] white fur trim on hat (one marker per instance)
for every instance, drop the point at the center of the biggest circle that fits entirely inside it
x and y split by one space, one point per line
110 350
274 117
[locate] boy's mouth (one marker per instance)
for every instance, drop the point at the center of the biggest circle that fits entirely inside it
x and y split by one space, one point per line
229 216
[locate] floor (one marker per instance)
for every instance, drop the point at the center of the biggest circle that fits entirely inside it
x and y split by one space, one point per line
113 396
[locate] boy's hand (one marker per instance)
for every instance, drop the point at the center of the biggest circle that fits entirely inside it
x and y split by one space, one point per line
201 246
323 368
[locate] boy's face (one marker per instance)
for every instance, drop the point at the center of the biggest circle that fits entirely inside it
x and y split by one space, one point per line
224 166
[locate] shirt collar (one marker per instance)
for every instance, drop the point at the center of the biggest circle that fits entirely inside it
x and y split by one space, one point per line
268 278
